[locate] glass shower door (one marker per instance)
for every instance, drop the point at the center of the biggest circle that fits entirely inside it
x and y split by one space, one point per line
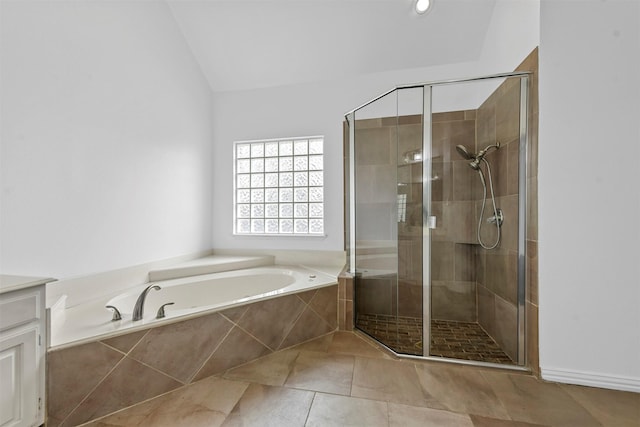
388 216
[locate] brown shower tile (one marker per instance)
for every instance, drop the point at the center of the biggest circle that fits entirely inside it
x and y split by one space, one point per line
532 271
270 321
509 230
532 208
180 349
331 410
119 391
532 148
308 326
464 262
610 407
508 110
307 295
272 369
324 372
380 149
533 360
237 348
390 380
513 167
459 222
461 390
486 123
448 116
235 314
442 257
202 404
409 299
325 304
486 309
453 301
506 327
53 421
73 372
126 342
463 179
268 406
409 137
501 274
531 400
412 416
441 188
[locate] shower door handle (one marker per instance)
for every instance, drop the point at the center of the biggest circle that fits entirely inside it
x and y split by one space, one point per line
431 222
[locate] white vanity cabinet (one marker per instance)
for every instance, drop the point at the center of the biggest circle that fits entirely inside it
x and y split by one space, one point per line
22 351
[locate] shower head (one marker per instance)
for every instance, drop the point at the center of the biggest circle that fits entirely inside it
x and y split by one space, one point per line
462 150
484 151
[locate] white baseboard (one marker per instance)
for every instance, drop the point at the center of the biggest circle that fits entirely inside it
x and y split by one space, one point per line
591 379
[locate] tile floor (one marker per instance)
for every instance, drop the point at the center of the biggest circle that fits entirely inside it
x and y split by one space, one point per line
344 379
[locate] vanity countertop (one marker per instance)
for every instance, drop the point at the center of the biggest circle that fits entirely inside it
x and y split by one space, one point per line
10 283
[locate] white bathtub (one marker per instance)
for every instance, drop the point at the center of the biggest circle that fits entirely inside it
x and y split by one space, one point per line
192 296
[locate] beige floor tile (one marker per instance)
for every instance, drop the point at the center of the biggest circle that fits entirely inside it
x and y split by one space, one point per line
350 343
391 381
479 421
318 344
409 416
528 399
329 410
268 406
205 403
269 370
610 407
329 373
461 390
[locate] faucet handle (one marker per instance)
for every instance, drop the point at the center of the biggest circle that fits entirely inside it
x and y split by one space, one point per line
160 313
116 313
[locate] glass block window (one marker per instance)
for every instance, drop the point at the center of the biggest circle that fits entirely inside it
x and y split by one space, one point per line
402 207
278 187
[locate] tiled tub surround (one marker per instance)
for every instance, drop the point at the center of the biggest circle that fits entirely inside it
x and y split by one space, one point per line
192 295
91 380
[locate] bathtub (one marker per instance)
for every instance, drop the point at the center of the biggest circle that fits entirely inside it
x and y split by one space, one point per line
191 297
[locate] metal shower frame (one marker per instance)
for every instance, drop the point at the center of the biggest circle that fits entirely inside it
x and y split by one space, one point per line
429 220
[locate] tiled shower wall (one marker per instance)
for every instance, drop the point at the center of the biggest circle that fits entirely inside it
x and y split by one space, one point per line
498 120
90 380
453 270
382 174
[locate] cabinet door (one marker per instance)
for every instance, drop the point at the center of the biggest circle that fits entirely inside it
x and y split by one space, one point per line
19 375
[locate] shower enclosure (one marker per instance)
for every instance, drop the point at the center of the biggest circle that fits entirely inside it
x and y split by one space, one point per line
435 226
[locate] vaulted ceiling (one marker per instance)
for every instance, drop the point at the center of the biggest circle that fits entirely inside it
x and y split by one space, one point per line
254 44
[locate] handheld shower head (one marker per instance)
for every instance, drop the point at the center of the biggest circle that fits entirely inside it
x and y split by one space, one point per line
462 150
485 150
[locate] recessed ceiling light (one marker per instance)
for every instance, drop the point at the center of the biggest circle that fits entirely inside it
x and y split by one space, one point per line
422 6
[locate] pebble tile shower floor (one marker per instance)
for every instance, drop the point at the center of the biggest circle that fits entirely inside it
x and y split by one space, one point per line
457 340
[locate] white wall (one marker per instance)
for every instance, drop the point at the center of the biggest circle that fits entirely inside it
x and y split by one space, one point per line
589 192
106 138
318 108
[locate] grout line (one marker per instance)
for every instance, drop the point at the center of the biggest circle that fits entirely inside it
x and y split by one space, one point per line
313 399
93 389
197 371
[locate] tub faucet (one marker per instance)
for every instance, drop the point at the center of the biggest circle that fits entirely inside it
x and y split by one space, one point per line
138 310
